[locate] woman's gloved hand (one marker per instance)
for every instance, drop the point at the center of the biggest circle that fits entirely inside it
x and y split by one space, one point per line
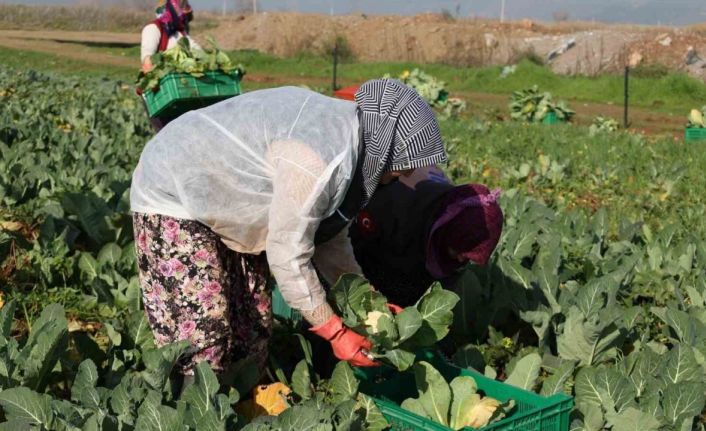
347 345
394 309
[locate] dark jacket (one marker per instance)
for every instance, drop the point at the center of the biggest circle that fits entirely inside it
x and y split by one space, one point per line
389 235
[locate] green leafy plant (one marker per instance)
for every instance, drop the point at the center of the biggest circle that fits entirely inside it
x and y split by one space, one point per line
434 91
531 105
696 118
456 404
333 403
183 59
136 394
603 124
396 338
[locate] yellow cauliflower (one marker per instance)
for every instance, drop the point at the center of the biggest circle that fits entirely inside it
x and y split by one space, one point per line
372 318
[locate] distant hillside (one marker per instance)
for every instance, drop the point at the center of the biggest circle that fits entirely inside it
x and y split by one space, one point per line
668 12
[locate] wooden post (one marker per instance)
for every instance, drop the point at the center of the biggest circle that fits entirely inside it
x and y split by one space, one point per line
627 93
335 64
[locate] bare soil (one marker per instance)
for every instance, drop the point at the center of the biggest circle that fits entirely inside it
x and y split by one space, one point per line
431 38
64 43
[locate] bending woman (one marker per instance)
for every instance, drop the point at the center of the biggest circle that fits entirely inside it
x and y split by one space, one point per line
266 181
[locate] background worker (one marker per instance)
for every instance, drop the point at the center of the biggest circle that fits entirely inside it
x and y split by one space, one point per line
171 24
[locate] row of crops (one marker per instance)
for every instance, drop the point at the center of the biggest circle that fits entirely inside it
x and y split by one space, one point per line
597 289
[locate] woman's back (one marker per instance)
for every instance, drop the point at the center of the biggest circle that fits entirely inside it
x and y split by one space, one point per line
216 164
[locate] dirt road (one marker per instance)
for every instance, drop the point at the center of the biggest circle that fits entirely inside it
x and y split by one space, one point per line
64 44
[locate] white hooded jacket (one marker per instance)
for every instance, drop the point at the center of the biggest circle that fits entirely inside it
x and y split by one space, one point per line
262 170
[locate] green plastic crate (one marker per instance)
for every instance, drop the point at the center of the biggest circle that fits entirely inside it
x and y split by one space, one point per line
179 92
695 134
550 118
532 412
281 309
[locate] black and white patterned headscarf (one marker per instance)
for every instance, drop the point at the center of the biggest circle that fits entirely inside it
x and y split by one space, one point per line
399 129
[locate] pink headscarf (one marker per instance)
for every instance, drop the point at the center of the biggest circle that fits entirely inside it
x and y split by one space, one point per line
173 15
470 222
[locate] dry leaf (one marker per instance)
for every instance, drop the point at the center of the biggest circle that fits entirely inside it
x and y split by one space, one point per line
266 400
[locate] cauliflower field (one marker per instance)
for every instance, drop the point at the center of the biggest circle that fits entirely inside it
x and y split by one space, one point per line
597 288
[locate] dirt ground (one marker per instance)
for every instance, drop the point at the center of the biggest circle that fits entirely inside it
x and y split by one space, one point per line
423 39
431 38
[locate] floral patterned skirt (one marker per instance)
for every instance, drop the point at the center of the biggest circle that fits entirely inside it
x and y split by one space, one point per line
196 289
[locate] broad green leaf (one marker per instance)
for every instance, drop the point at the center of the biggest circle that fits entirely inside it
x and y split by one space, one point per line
591 298
683 401
138 328
651 402
525 373
305 417
604 387
436 308
7 314
540 319
113 335
646 365
200 395
224 409
87 376
516 272
209 421
92 213
408 322
88 265
46 344
349 293
17 425
554 384
386 335
685 327
373 416
680 365
343 383
469 357
401 359
464 397
23 404
349 416
588 341
593 417
434 392
301 380
523 247
466 313
413 405
306 349
632 419
546 270
490 372
243 375
84 387
159 363
120 400
153 416
631 316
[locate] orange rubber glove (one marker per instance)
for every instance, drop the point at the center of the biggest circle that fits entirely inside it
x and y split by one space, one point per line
394 309
347 345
